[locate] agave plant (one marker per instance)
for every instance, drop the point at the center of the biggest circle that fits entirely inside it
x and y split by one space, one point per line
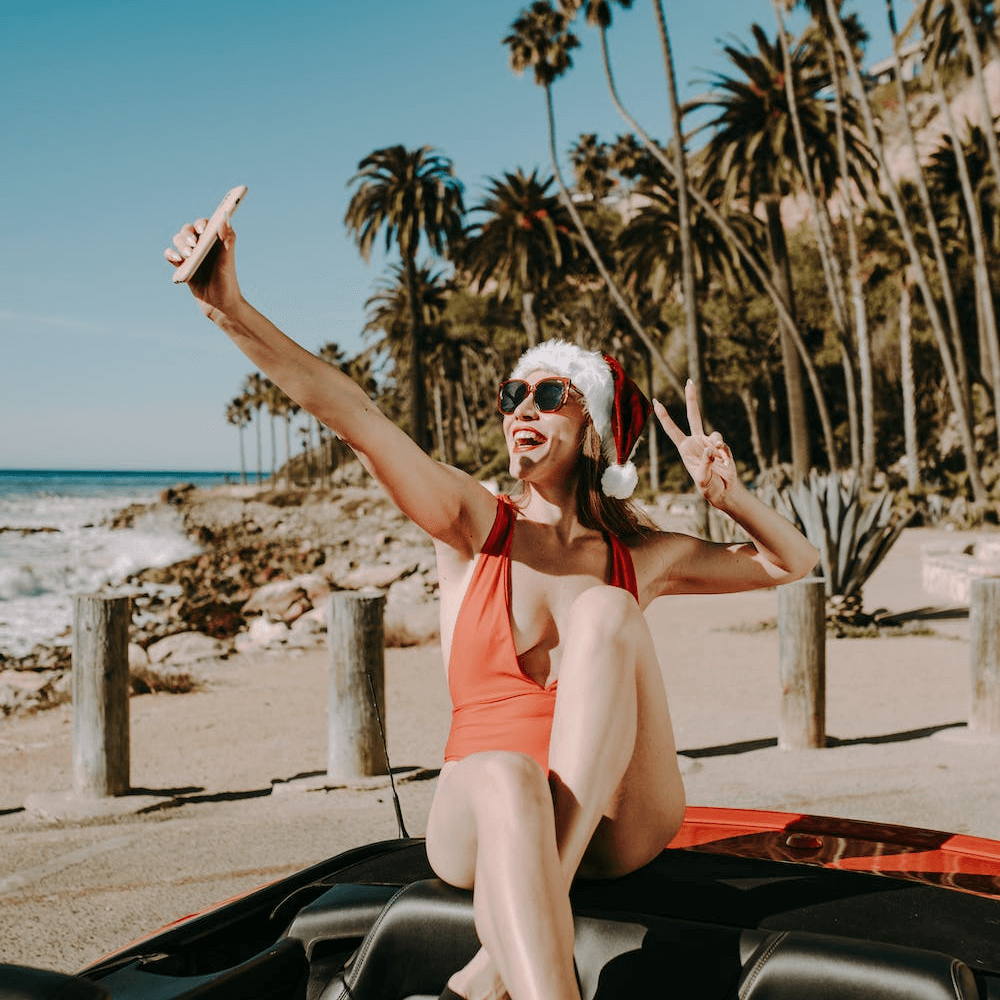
852 531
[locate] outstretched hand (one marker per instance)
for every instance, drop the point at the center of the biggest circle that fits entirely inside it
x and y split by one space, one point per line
706 456
214 284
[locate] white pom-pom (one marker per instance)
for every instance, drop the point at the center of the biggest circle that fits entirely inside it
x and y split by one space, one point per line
620 481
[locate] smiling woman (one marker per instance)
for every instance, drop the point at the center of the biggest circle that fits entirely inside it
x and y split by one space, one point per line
561 757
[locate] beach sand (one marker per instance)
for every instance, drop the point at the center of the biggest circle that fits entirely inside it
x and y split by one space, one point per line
896 708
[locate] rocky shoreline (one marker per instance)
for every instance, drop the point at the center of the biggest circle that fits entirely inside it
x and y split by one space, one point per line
269 560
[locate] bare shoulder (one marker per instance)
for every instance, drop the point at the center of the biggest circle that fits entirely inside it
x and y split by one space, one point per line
457 511
656 555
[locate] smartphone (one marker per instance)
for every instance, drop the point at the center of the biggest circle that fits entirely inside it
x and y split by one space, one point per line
208 239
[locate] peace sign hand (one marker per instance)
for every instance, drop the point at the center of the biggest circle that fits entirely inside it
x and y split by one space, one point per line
706 456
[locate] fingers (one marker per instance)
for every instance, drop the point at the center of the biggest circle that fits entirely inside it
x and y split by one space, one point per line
667 423
694 414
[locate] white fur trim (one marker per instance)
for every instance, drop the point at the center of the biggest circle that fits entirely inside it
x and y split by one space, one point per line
590 374
620 481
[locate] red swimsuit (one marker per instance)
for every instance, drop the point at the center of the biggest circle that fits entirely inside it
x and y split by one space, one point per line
495 705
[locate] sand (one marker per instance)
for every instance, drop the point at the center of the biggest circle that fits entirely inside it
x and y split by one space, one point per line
205 765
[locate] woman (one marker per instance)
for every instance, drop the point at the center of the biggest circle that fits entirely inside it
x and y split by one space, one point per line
561 756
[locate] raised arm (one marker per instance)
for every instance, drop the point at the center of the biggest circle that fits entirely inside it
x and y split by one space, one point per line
777 552
448 504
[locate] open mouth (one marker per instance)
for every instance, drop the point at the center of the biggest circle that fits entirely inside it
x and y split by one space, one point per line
526 440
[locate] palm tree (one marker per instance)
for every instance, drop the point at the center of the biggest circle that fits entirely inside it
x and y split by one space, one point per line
753 151
390 309
238 414
255 394
968 25
820 219
525 244
592 167
748 255
891 190
943 270
540 39
408 195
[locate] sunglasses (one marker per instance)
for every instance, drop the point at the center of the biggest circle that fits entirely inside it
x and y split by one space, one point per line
549 393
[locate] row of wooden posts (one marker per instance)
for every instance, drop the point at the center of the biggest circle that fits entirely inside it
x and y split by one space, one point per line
356 698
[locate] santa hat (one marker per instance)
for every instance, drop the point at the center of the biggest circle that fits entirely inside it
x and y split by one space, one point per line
616 405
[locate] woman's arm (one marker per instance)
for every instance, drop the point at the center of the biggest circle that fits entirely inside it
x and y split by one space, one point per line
448 504
777 552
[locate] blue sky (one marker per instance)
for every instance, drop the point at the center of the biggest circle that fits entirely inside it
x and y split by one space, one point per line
122 121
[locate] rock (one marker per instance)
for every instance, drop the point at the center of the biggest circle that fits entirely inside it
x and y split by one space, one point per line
186 647
309 630
287 600
412 617
380 576
138 658
262 633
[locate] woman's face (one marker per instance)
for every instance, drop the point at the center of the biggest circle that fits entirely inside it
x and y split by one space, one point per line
544 447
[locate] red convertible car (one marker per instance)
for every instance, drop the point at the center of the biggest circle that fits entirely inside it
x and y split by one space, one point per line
742 905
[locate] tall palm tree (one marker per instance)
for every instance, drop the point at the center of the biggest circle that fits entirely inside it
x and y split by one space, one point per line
750 258
408 195
592 167
944 272
389 311
525 244
540 40
753 150
255 393
238 414
819 218
891 190
863 451
966 31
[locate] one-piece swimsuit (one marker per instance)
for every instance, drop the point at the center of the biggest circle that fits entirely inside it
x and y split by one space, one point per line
495 704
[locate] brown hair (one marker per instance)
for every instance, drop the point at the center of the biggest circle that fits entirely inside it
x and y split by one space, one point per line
609 515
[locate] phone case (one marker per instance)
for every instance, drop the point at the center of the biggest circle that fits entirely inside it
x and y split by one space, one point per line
208 238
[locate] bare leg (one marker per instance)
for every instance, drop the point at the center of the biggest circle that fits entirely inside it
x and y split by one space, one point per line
615 800
492 828
617 790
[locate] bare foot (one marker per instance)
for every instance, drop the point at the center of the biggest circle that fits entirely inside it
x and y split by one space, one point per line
479 980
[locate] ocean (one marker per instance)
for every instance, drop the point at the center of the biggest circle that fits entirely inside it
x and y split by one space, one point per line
54 543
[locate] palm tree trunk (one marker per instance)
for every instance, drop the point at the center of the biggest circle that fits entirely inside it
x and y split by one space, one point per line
288 451
692 326
984 292
832 273
260 462
875 142
468 424
907 384
439 420
749 257
863 340
976 59
528 318
418 405
933 231
654 442
243 461
752 407
612 285
797 422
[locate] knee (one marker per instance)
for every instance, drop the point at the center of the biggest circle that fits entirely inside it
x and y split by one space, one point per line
606 613
508 785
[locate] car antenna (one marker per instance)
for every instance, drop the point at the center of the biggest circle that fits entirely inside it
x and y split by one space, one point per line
385 749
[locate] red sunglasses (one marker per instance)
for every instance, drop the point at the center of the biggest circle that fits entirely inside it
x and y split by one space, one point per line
550 393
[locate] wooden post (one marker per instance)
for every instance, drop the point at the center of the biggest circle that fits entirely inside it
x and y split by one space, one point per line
984 650
802 664
101 756
357 665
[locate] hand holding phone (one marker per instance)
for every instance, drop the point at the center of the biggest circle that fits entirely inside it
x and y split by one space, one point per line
210 236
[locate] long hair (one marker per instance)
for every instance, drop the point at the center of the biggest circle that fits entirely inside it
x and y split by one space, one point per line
610 516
